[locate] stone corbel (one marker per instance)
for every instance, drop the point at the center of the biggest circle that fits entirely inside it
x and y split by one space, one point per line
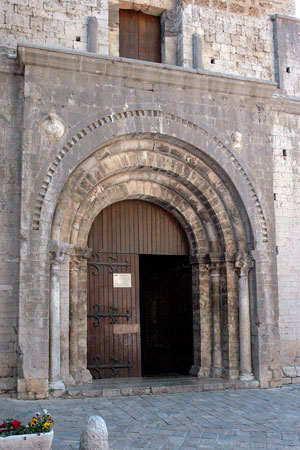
244 263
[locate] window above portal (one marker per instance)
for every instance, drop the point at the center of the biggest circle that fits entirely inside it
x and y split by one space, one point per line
139 36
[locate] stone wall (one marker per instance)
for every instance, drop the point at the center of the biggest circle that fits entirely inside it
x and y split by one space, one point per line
287 51
234 42
53 23
231 42
237 37
247 7
11 88
286 157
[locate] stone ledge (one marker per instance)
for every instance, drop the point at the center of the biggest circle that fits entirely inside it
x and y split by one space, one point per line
172 387
109 66
290 375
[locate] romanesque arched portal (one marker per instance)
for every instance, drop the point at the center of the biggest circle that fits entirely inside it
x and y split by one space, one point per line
199 195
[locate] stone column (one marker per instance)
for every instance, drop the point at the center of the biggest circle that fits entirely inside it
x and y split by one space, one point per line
215 269
205 320
244 264
79 373
232 316
74 298
57 257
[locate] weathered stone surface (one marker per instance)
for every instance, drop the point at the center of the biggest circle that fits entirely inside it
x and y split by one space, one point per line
175 131
289 372
94 436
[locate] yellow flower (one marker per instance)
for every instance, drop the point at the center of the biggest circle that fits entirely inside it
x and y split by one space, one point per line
47 425
33 422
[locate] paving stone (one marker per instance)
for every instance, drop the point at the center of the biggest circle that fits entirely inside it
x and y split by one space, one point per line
176 421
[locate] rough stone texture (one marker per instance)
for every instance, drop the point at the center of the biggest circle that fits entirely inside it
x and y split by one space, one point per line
231 43
141 130
287 46
286 157
94 436
248 419
53 23
247 7
11 88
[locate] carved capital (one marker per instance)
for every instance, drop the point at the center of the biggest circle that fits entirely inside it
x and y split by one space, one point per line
81 252
78 256
57 257
244 263
230 258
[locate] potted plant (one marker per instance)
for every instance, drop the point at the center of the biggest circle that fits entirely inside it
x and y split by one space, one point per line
37 435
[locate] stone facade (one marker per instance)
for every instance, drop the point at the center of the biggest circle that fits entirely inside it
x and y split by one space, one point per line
220 151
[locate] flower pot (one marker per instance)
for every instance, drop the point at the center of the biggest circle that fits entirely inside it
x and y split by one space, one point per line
42 441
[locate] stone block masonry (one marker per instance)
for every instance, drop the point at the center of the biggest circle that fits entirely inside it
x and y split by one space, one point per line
219 150
11 88
53 23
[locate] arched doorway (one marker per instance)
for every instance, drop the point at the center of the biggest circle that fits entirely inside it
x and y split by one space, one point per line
139 293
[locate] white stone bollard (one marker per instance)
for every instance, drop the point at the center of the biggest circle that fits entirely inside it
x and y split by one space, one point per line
94 436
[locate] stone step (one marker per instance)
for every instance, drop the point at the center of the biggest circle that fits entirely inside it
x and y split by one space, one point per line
129 387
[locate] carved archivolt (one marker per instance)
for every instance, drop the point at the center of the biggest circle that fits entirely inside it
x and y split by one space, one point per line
108 120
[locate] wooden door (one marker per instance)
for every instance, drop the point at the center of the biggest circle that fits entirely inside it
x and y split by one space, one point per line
119 235
113 317
140 36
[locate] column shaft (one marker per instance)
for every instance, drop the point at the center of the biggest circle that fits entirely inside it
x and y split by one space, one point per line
244 263
54 363
216 315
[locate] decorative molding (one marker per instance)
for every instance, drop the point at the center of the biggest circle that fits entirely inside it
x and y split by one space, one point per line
236 139
52 126
144 71
113 118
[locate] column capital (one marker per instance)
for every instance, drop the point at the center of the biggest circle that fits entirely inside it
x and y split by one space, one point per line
230 257
57 257
244 263
81 253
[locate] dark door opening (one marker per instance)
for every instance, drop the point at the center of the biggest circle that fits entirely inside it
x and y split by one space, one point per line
166 315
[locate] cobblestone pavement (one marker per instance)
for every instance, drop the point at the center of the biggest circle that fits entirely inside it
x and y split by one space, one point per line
244 419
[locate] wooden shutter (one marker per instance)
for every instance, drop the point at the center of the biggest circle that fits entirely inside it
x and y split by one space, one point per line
140 36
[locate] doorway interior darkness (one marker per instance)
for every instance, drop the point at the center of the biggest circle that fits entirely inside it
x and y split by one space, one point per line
166 315
146 327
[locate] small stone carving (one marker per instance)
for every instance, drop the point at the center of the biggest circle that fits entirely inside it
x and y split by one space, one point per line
94 436
236 139
52 126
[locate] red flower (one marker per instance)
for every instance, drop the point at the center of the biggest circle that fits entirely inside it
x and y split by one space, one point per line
15 424
3 425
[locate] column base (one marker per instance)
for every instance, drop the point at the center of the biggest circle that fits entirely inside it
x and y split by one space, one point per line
57 385
200 372
246 377
82 376
68 380
216 372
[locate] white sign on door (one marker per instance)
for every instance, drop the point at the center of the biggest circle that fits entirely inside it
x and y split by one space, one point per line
122 280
